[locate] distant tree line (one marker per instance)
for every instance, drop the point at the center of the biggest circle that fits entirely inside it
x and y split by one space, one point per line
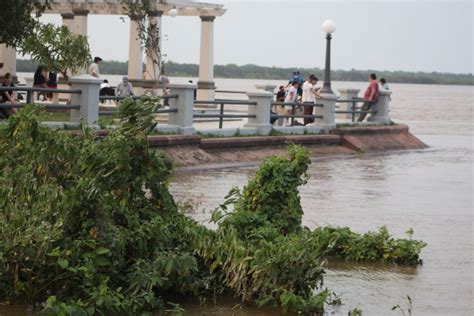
274 73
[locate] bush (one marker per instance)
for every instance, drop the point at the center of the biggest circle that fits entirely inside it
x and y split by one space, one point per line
90 228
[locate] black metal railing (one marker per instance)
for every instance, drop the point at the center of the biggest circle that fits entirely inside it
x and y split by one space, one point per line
29 98
157 110
354 108
221 103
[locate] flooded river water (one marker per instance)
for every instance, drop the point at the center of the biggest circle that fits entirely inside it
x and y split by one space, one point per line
429 190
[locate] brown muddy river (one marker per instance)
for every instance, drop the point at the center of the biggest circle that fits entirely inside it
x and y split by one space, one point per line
429 190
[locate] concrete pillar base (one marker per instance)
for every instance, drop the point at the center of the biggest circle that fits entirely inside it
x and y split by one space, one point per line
347 94
261 122
382 107
328 121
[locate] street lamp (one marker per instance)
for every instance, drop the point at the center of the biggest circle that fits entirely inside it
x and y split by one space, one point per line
173 12
328 27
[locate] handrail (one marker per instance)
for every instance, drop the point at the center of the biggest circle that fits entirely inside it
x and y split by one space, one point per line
47 106
355 100
35 89
231 91
319 105
159 111
221 115
134 97
229 102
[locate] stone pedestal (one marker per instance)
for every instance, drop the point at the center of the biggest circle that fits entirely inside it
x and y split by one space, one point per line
382 107
88 99
261 111
327 111
183 118
347 94
267 87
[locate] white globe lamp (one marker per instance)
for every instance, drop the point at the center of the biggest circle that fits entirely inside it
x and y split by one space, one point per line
329 26
173 12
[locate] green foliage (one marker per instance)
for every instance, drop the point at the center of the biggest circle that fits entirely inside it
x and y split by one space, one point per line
16 22
57 48
272 195
372 246
91 223
90 228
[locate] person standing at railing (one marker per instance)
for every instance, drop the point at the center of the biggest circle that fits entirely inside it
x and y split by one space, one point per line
125 88
291 98
40 79
279 109
310 92
94 68
7 96
371 95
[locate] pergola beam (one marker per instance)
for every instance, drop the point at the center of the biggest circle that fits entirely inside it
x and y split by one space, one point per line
115 7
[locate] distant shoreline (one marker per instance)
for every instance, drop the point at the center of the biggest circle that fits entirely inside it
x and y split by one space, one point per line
232 71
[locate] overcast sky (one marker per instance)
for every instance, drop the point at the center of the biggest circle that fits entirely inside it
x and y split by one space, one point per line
380 34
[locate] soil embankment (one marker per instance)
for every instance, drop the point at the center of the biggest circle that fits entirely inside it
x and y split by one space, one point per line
194 150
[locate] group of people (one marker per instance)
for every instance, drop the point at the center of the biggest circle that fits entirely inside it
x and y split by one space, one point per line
301 91
125 87
299 97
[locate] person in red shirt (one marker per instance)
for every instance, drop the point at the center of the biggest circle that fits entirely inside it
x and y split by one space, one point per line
371 94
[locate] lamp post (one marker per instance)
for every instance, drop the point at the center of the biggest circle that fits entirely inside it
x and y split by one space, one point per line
173 12
328 27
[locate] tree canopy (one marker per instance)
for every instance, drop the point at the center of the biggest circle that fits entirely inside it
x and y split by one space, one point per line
57 48
16 22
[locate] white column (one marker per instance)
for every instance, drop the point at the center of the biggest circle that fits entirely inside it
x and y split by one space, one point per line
206 86
88 99
327 111
68 21
382 108
135 66
261 111
347 94
79 26
80 22
153 69
183 118
8 58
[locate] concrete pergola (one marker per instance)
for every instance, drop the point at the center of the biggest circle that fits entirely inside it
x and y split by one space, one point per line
74 15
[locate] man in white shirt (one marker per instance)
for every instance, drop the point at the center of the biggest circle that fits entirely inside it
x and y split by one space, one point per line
94 68
125 88
310 92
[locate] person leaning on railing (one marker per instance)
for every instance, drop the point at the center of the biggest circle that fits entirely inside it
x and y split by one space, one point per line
7 96
370 96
